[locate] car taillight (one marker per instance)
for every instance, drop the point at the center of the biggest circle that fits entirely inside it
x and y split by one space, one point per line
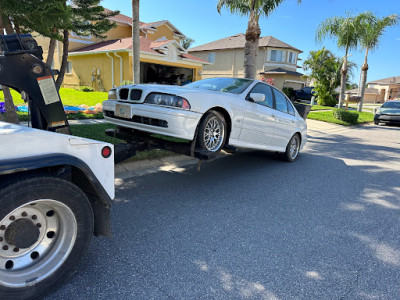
106 152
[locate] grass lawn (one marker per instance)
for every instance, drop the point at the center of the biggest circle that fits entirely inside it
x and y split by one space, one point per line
96 132
320 107
68 97
327 116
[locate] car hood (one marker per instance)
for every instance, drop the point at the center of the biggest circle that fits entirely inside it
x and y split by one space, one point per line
390 111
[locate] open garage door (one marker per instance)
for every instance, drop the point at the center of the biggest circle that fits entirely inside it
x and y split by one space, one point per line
162 74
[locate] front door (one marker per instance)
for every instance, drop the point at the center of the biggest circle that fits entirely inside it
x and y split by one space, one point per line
259 121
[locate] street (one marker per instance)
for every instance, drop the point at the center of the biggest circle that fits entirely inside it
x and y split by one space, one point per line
249 226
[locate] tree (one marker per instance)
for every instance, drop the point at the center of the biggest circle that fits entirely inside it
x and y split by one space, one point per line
372 28
186 42
346 31
254 9
325 69
11 114
135 42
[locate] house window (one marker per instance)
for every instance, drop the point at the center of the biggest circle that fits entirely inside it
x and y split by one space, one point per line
69 67
292 57
276 55
211 57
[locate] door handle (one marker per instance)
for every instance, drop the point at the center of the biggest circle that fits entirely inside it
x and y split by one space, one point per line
273 116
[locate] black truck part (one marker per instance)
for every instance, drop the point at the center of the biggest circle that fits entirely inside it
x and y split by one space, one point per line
22 68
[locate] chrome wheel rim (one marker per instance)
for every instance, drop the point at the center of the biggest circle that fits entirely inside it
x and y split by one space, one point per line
35 240
294 147
214 133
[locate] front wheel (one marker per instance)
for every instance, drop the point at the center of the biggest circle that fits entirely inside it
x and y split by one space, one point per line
212 132
292 149
46 224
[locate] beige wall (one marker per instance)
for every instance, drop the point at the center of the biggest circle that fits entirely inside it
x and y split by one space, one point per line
163 30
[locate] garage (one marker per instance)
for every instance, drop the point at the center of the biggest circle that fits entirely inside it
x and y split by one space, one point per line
163 74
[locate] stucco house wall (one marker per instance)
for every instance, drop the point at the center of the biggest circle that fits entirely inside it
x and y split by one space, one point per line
227 58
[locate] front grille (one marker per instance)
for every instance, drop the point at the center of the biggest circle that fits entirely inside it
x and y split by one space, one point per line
140 120
123 94
136 94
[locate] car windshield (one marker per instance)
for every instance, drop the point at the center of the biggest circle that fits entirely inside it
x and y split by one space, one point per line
389 104
227 85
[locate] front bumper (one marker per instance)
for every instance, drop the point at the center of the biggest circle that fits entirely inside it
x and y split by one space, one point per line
378 118
156 119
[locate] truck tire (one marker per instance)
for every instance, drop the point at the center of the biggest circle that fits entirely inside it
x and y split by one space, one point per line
46 224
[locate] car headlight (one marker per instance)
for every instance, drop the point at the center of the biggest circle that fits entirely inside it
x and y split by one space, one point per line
167 100
378 111
112 94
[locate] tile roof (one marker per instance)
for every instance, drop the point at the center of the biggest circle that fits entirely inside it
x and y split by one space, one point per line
238 40
146 45
119 17
389 80
281 71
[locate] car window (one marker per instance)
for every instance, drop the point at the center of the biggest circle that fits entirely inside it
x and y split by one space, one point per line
265 90
290 108
280 101
391 104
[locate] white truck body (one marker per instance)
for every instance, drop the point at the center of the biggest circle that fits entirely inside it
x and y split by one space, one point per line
23 142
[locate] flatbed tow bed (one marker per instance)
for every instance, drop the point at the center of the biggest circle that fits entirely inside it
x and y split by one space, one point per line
141 141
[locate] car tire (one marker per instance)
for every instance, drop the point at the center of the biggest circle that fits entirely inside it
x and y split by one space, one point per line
46 224
211 133
376 122
292 149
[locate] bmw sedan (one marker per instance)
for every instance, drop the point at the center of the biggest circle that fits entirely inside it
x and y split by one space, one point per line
216 112
389 112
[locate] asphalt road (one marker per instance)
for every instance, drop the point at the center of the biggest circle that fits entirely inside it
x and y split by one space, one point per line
249 226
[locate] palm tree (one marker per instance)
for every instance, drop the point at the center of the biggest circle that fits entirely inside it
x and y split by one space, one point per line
346 31
135 42
372 29
254 9
186 42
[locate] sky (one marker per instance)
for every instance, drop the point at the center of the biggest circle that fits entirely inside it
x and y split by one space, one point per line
292 23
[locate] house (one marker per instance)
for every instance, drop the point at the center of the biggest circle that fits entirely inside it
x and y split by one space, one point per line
380 91
105 63
276 60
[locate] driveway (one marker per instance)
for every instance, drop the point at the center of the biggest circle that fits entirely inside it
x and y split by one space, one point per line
248 226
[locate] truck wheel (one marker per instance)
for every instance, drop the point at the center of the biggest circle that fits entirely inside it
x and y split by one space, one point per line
46 224
212 132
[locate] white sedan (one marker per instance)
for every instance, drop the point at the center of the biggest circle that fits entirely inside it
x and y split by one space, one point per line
217 112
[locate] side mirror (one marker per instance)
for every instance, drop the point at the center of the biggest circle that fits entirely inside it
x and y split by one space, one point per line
257 97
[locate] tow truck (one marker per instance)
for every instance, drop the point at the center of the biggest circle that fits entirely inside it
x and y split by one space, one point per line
56 189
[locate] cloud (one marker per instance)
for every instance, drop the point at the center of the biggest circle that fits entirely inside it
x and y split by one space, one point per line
398 39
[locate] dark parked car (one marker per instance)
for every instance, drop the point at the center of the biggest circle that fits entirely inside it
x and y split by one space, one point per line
389 112
305 93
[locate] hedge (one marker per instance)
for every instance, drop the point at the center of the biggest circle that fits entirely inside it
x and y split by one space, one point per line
347 116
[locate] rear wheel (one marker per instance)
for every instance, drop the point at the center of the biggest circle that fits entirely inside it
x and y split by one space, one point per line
46 224
292 149
212 132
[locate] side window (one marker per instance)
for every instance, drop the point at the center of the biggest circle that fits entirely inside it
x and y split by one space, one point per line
280 100
263 89
211 57
290 108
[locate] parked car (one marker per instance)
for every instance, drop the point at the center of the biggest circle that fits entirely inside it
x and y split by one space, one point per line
243 113
389 112
305 93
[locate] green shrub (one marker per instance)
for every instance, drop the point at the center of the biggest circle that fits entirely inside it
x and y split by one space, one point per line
288 91
326 100
347 116
126 82
84 88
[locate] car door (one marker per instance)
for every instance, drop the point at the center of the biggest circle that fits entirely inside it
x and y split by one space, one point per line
285 120
259 121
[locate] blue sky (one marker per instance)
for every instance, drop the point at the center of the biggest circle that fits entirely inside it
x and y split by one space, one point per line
292 23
